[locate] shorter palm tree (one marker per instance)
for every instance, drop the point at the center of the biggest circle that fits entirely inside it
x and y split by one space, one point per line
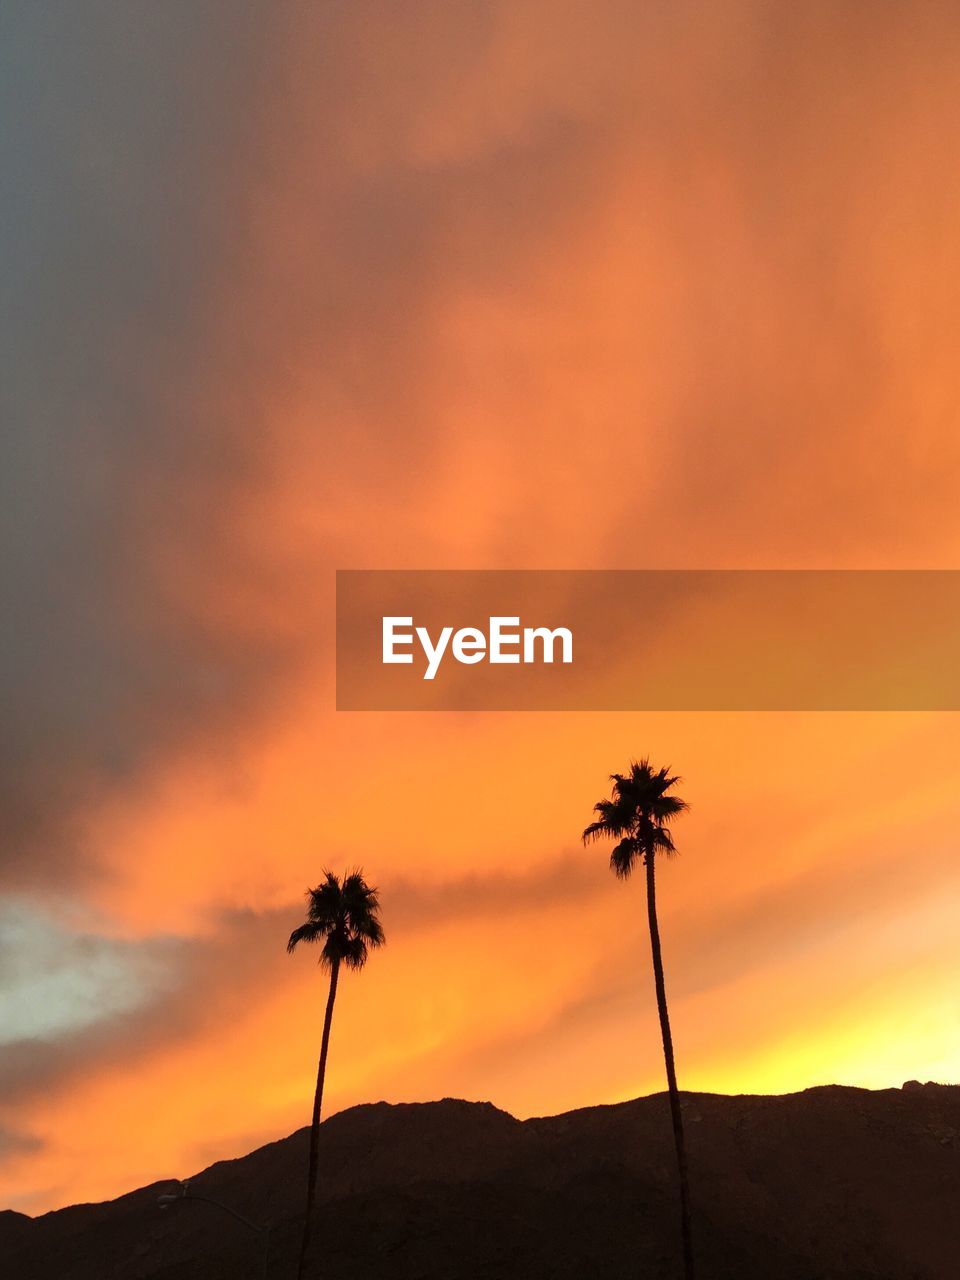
343 915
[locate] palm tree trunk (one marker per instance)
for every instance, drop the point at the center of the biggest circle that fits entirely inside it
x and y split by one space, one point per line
675 1113
315 1123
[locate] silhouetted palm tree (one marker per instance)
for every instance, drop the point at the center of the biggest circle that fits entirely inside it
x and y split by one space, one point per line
638 817
344 915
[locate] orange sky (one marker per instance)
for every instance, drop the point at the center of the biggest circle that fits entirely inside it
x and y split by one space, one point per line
506 285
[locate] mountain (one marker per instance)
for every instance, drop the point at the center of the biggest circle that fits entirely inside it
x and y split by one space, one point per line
829 1184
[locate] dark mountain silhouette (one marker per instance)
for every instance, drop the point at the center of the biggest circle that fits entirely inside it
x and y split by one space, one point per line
830 1184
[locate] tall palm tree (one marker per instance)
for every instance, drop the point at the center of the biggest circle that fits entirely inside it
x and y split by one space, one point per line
638 817
343 915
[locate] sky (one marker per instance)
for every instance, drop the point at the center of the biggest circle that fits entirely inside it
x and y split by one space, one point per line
294 287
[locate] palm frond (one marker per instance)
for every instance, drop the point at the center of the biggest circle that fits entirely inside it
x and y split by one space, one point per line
307 932
354 952
614 818
623 857
654 839
323 902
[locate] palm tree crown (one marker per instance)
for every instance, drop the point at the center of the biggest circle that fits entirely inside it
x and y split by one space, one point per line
345 916
637 815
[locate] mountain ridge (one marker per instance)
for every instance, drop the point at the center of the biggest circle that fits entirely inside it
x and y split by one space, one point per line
833 1181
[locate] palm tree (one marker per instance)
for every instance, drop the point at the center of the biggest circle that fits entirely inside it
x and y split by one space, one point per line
638 817
343 915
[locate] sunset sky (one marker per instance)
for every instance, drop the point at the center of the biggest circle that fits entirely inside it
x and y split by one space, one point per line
290 287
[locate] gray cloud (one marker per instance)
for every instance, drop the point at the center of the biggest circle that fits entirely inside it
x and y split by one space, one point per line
14 1142
146 331
197 983
53 983
120 124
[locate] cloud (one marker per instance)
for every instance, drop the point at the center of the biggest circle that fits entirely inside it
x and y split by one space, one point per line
192 983
561 881
54 983
120 454
14 1143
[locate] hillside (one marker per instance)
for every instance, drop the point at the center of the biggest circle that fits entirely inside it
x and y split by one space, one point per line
830 1184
